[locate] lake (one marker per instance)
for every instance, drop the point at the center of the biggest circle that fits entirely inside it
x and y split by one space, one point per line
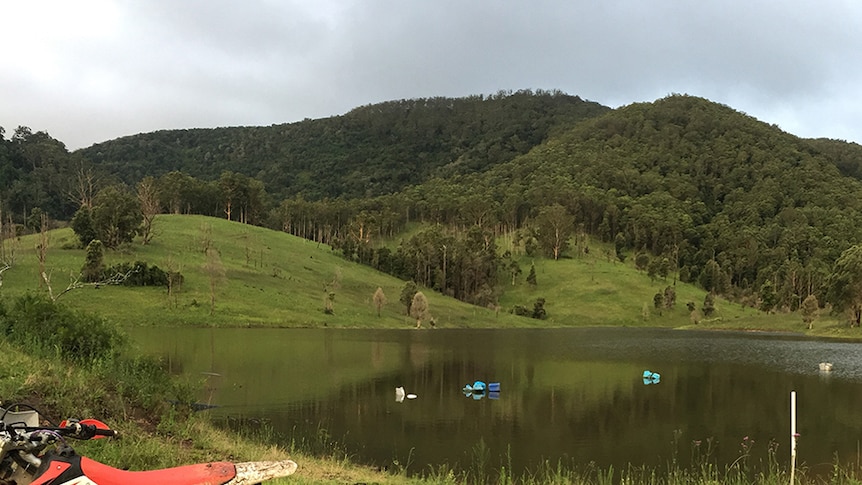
573 395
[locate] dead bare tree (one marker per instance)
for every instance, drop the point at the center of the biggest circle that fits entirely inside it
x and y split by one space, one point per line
149 200
174 279
84 186
7 256
4 265
75 282
42 246
216 272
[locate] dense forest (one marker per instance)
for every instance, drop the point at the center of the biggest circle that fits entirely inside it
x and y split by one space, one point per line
372 150
682 185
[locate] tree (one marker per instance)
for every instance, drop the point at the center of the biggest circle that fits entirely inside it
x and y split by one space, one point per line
173 189
511 265
658 301
809 309
379 300
642 261
215 270
619 246
669 297
708 305
531 278
42 247
419 308
768 297
555 227
329 303
82 225
711 277
407 294
116 216
34 220
83 185
175 279
844 285
664 268
93 262
150 207
539 311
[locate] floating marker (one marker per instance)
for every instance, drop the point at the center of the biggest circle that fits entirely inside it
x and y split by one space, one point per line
651 377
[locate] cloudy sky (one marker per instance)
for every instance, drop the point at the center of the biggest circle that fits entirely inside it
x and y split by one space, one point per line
88 71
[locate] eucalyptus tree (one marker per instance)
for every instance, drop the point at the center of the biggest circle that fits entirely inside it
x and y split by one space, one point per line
555 226
173 189
844 285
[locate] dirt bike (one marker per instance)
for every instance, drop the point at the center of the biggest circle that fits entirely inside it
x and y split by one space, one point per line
31 454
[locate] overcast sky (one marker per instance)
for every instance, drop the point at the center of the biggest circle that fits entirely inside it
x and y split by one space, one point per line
88 71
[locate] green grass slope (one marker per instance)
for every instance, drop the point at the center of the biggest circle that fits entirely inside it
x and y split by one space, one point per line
268 278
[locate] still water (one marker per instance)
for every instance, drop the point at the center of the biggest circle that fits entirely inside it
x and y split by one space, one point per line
571 395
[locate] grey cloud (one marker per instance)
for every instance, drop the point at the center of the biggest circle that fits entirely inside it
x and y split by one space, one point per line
216 63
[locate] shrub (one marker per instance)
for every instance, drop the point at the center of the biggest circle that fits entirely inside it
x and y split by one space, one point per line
43 326
141 274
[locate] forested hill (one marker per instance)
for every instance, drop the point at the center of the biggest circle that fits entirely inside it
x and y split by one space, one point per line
372 150
735 203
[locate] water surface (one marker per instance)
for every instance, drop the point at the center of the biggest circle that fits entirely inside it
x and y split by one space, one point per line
575 395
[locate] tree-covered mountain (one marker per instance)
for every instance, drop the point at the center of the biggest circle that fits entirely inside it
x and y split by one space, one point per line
737 205
682 185
372 150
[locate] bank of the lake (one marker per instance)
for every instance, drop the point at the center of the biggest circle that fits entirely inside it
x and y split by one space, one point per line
175 439
132 399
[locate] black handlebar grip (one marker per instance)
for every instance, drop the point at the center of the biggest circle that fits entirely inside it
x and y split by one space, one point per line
106 432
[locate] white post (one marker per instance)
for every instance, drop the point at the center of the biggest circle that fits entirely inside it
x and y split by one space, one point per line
793 435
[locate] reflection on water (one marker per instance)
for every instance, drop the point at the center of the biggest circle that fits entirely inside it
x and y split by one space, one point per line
578 395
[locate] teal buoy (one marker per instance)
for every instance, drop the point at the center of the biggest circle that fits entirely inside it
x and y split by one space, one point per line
651 377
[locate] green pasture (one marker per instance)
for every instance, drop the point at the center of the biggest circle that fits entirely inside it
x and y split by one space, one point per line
268 278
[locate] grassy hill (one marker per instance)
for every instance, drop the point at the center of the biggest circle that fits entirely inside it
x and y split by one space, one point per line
268 278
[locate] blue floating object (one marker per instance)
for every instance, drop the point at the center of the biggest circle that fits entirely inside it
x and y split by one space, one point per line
478 386
494 387
651 377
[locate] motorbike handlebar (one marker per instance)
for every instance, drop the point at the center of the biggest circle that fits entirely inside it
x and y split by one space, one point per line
105 432
86 431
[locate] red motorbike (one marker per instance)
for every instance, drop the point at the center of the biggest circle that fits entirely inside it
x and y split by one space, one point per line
31 454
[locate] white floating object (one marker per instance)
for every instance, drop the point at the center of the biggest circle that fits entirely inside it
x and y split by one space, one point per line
399 394
826 366
411 396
